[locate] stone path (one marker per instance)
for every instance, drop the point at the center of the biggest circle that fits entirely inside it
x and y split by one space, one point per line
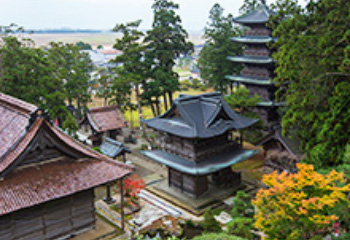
160 203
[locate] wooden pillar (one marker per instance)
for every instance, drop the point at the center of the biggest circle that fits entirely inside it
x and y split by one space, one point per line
241 138
122 204
124 157
108 199
231 87
169 176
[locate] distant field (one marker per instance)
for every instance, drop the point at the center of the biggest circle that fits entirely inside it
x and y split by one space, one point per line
95 39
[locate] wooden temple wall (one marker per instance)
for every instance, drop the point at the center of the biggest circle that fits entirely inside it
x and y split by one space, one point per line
55 219
267 114
197 150
226 178
193 186
263 92
255 71
258 30
257 51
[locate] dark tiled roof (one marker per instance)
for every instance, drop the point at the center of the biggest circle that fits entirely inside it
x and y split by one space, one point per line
210 165
259 15
37 183
200 116
113 148
105 118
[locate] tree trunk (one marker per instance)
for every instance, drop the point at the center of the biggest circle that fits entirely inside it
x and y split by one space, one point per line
165 101
157 106
170 94
78 108
152 107
106 99
138 100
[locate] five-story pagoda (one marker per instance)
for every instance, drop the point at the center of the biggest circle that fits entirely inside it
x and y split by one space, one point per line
258 69
257 76
197 144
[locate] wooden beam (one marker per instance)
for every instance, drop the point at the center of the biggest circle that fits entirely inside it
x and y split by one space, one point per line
122 203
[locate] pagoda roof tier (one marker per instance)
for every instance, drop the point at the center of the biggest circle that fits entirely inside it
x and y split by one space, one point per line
251 59
269 103
201 116
208 166
253 39
250 80
258 16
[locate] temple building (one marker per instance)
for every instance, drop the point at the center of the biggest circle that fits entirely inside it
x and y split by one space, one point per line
102 122
197 143
258 69
47 178
257 75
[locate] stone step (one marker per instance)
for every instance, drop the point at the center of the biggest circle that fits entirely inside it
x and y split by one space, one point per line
160 203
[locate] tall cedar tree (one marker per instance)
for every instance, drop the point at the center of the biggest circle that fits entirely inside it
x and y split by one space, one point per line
313 55
131 64
166 41
73 68
212 60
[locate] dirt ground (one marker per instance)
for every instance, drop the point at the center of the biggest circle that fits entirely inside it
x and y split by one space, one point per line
102 231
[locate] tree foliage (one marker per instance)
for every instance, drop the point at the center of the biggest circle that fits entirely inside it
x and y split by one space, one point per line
242 102
47 78
166 41
212 60
313 55
242 214
104 80
28 74
210 224
217 236
72 68
131 68
301 205
83 46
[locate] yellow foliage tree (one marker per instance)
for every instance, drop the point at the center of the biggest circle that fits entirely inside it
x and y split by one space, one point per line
301 205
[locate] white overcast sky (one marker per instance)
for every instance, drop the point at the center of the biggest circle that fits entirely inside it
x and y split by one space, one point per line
102 14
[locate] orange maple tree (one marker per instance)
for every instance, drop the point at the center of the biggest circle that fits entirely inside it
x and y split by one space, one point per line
300 205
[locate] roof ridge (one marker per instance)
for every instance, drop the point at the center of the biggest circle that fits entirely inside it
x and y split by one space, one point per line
34 127
103 108
91 151
17 104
